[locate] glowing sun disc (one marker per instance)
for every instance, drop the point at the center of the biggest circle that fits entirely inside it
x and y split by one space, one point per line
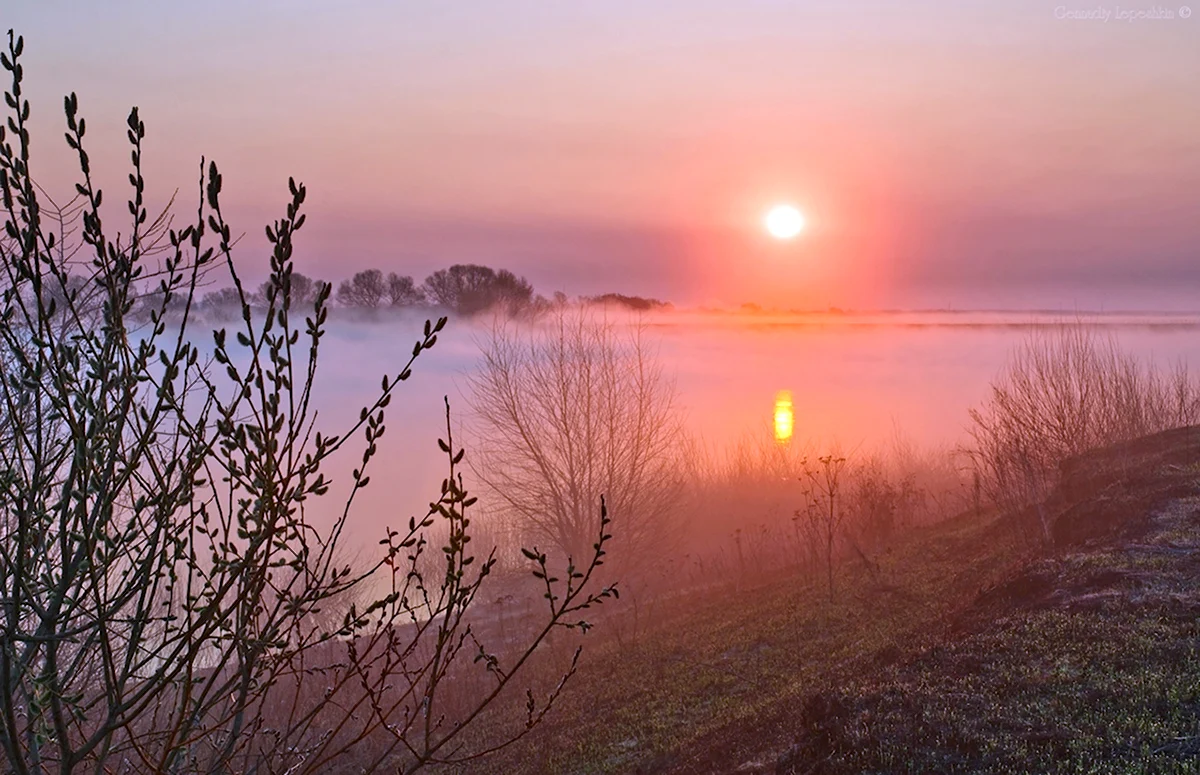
784 222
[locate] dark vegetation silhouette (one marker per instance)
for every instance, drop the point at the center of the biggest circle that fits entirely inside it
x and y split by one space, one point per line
635 303
167 603
402 292
462 290
571 408
823 513
1062 393
304 291
469 289
364 290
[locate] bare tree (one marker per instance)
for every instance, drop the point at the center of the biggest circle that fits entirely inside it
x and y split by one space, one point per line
469 289
366 290
303 290
402 291
565 411
222 305
164 595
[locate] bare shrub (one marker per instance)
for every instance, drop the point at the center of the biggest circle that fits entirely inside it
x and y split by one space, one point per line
824 512
571 409
1065 391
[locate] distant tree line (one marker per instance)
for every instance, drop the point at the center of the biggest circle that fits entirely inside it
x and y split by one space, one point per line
462 289
637 303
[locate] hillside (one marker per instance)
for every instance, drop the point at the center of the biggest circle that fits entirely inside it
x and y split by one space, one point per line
1086 661
962 651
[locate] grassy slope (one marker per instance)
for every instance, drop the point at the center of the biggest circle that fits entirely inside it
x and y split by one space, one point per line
1104 680
1085 661
685 695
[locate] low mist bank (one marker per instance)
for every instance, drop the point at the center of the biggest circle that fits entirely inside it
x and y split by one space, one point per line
860 382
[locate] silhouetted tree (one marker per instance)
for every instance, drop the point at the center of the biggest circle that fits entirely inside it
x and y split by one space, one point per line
469 289
365 290
222 305
154 300
536 307
569 410
70 287
304 290
511 291
402 291
636 303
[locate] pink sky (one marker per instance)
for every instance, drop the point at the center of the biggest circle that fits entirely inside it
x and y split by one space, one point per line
944 153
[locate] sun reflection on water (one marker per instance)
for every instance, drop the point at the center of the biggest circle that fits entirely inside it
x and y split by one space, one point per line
785 417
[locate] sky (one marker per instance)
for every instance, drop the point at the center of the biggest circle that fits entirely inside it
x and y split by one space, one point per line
946 154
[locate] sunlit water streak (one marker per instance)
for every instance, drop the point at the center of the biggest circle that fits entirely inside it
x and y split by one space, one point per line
785 417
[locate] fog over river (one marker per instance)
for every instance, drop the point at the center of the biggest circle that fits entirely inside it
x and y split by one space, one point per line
859 380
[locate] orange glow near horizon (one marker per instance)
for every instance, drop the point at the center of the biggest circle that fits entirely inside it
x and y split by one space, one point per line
785 417
838 177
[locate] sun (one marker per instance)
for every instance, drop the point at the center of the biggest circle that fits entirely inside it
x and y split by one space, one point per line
784 221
